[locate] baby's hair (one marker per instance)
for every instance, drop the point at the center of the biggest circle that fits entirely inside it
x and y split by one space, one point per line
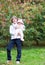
14 17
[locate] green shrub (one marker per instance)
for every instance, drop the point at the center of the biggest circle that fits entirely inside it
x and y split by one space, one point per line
34 15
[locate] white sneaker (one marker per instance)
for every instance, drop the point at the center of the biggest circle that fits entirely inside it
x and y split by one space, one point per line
9 62
17 62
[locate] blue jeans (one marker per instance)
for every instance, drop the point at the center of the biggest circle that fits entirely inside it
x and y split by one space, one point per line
18 43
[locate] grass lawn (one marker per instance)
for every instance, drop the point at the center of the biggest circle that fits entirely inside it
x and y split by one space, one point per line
30 56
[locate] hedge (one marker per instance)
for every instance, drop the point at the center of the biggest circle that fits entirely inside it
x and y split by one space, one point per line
34 16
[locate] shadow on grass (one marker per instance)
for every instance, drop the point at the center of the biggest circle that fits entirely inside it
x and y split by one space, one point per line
34 46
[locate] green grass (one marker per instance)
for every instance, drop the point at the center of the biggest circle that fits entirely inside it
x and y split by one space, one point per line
30 56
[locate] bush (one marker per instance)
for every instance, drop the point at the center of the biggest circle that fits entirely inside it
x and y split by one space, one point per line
34 15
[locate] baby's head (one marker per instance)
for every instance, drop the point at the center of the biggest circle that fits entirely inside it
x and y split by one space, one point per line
20 22
14 19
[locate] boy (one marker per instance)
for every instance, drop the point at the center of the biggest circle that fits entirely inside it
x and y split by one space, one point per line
14 40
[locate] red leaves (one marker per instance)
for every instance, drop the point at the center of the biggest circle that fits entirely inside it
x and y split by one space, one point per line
28 21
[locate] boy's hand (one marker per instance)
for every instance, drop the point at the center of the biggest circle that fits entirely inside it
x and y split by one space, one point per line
18 34
16 28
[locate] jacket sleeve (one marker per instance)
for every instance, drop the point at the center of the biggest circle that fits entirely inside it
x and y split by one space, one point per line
11 30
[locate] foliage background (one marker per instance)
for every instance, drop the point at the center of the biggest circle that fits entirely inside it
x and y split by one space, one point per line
33 13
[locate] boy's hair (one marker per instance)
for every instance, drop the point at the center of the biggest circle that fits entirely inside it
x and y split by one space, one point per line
13 17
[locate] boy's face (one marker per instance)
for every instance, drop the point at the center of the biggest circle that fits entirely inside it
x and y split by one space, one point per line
14 20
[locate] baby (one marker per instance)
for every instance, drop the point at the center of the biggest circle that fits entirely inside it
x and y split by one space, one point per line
20 29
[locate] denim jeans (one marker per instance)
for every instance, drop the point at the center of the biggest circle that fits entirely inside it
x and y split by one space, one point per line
18 43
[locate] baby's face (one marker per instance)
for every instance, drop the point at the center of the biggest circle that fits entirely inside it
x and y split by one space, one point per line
14 20
19 23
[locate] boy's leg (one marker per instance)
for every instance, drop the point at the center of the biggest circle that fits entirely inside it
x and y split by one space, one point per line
18 43
9 47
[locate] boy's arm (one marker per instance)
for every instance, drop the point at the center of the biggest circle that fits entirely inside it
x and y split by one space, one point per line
16 26
11 30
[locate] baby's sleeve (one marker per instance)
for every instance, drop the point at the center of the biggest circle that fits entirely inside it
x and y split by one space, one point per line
23 27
